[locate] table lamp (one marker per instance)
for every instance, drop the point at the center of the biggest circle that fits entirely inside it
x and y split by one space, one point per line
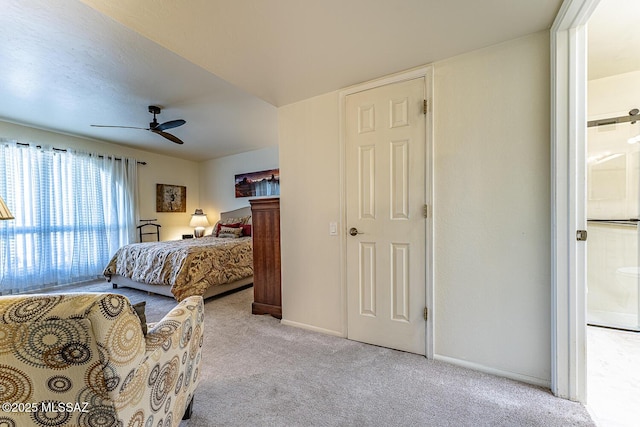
199 222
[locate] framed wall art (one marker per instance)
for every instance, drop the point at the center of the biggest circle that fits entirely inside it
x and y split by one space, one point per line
171 198
256 184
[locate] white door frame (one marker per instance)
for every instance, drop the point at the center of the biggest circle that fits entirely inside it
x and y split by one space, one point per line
568 164
427 73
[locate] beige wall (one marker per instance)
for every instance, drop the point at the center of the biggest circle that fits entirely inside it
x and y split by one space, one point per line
310 199
492 204
158 170
491 210
612 96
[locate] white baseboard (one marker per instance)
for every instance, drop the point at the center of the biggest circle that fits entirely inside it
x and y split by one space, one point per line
312 328
487 370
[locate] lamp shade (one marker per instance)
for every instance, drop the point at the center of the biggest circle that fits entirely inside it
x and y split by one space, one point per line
4 210
199 219
199 222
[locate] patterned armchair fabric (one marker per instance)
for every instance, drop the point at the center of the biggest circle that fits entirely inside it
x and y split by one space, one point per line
82 360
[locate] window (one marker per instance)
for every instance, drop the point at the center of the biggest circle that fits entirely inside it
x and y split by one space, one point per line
72 211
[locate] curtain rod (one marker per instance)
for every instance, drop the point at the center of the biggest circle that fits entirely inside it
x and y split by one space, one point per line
65 150
632 117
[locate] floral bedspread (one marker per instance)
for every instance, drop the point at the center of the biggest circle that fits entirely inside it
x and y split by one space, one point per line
189 266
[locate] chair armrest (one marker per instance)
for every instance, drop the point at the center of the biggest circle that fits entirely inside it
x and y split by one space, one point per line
169 371
189 312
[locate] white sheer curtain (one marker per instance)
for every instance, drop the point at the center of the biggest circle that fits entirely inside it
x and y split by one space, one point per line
72 211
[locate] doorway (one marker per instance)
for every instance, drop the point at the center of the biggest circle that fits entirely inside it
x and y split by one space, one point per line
612 210
569 201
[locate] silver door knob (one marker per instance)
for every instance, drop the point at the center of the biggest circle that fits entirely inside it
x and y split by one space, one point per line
353 231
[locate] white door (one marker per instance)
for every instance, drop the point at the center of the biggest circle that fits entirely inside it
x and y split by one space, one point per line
385 195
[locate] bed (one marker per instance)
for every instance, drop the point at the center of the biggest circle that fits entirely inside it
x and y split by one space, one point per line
205 266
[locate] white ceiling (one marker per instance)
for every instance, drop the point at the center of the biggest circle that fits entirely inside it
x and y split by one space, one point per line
223 66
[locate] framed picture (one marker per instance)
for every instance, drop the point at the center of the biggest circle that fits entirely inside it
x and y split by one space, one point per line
171 198
262 183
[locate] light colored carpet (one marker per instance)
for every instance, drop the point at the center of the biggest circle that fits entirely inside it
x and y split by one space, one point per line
257 371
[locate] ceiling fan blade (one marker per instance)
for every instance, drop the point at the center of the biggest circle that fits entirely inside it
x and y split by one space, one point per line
168 136
169 125
123 127
154 126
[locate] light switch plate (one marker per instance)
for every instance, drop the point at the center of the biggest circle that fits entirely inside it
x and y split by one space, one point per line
333 228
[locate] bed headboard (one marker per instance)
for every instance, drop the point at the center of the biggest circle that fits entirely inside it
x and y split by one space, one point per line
236 213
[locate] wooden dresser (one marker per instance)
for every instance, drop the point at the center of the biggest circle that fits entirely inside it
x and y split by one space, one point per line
266 256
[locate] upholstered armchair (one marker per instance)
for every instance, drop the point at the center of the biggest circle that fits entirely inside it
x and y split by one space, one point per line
83 360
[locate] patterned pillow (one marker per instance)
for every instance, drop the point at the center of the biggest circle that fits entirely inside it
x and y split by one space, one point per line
240 219
214 230
231 232
220 225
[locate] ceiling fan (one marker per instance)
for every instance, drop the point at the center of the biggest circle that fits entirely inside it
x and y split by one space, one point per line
154 126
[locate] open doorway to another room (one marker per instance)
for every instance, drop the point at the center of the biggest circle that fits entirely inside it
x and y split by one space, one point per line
613 210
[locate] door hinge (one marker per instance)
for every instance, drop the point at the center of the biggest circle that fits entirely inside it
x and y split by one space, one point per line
426 313
424 107
425 211
581 235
